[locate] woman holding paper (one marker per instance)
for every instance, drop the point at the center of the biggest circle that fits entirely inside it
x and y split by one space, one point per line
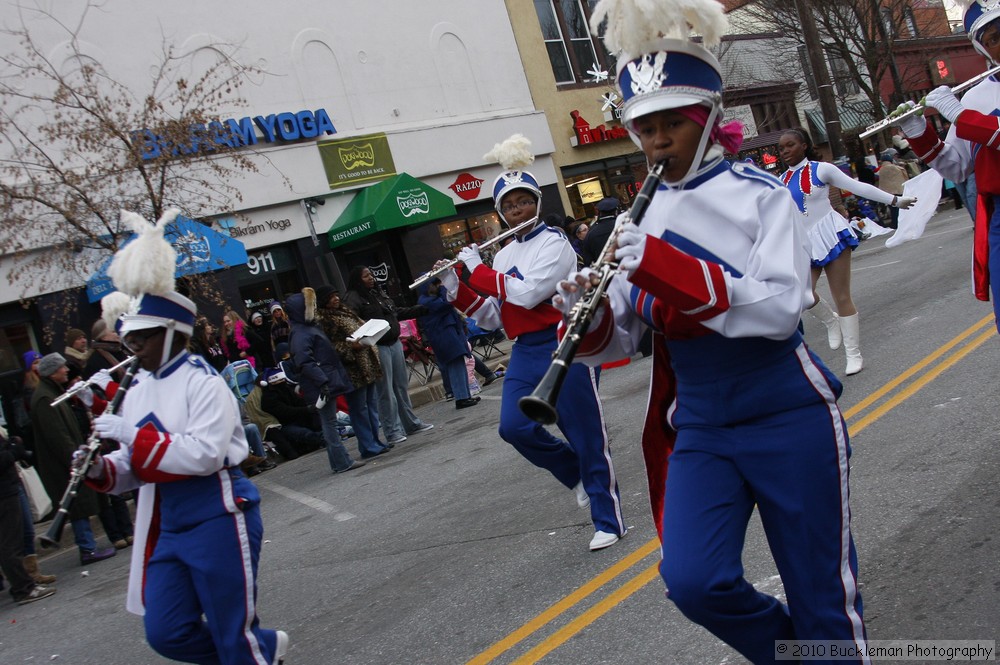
362 363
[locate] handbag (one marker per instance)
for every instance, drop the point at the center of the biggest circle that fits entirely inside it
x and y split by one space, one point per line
38 498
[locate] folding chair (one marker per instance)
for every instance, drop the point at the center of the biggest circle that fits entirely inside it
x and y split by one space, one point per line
419 356
484 342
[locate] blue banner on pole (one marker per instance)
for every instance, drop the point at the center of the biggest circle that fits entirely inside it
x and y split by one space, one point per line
199 249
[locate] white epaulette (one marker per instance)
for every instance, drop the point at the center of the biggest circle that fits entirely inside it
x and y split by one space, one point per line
751 172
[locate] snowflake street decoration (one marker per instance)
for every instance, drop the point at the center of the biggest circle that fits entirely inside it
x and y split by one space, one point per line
599 75
610 100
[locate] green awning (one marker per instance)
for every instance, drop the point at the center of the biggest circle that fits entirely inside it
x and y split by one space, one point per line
399 201
851 122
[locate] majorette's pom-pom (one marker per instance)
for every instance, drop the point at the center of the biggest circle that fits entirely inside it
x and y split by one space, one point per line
148 263
635 26
113 306
512 153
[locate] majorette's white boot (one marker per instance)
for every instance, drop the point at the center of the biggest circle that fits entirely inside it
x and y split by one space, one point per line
852 343
822 311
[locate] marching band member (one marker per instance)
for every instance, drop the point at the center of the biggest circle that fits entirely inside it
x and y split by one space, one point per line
718 268
198 526
520 285
829 235
974 127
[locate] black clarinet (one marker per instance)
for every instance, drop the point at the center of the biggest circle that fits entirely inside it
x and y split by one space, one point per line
540 405
54 534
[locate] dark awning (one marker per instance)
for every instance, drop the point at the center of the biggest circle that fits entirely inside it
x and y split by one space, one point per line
851 122
399 201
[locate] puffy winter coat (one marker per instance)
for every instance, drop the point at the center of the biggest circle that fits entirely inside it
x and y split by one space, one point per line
318 366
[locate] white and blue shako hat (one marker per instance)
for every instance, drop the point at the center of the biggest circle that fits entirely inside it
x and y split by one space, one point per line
143 272
979 14
513 154
659 67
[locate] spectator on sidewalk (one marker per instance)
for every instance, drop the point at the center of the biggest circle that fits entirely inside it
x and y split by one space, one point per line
444 330
76 351
362 363
23 588
367 299
57 436
321 374
205 343
105 351
280 328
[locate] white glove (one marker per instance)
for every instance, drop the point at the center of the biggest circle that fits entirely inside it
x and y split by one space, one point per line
569 291
110 426
87 397
470 257
449 280
101 378
905 202
96 469
914 125
321 401
631 246
945 101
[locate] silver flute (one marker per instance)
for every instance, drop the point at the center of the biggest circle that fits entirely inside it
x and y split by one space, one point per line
83 385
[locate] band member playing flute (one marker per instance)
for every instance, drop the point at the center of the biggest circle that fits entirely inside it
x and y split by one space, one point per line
972 144
519 286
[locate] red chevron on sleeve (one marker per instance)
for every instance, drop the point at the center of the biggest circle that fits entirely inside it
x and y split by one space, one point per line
979 128
696 287
110 476
147 452
928 145
467 300
488 280
597 337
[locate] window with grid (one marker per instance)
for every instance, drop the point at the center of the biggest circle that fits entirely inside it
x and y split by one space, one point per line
573 50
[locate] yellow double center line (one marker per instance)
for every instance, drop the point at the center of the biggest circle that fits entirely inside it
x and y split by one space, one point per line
935 363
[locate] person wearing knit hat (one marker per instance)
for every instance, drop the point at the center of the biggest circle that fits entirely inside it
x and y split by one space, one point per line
57 435
105 350
280 328
182 442
520 283
76 350
30 358
716 265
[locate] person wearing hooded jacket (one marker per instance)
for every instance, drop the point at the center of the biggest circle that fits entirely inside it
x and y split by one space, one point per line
444 330
320 373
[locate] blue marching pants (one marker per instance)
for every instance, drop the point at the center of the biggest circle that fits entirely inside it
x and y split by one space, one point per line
209 569
587 455
994 260
796 474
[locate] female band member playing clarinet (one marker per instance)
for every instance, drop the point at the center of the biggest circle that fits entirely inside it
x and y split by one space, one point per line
748 416
830 239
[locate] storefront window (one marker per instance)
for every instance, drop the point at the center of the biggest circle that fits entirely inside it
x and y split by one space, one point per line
621 182
14 341
460 233
270 274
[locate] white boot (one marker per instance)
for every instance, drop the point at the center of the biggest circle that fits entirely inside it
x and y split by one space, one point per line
822 311
852 343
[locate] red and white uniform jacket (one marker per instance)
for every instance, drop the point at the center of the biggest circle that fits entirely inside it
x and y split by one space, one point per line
972 144
725 255
520 285
189 428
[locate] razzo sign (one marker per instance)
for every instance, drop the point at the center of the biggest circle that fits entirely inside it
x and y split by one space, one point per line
232 133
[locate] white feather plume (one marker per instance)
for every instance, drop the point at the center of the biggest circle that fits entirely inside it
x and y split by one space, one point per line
113 306
512 153
634 26
148 263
